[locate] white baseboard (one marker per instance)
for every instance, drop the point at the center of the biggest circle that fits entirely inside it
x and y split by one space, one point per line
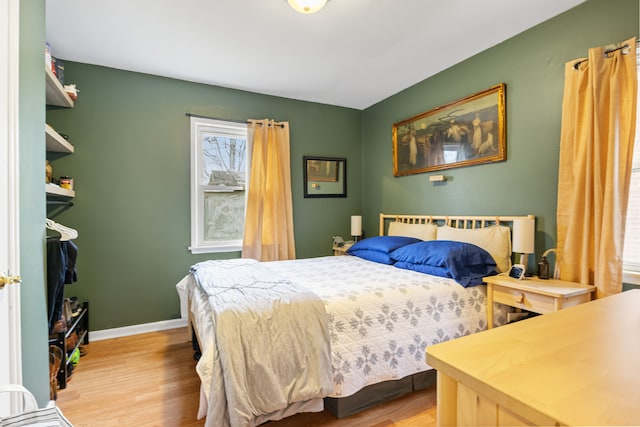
126 331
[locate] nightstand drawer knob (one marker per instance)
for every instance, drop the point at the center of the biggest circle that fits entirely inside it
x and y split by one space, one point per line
520 298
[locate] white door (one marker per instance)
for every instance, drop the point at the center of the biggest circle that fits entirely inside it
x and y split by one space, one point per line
10 355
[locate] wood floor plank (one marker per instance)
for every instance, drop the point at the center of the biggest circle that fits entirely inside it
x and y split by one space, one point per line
150 380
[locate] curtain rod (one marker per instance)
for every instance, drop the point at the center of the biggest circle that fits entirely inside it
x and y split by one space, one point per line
224 120
576 66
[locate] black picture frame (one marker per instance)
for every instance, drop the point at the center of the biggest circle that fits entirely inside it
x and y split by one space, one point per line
324 176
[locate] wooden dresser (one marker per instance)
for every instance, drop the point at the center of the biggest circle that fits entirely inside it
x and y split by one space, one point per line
578 366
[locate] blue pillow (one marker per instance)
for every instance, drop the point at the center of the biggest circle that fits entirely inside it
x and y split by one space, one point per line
464 262
424 268
384 244
374 256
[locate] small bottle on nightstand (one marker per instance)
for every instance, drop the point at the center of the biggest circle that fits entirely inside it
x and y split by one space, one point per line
543 268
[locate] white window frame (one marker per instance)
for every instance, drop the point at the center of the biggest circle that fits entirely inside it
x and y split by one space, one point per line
200 125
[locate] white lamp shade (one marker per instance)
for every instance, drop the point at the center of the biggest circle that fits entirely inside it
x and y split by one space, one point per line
356 225
524 231
307 6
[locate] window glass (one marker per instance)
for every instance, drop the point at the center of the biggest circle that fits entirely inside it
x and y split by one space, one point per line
632 233
219 184
631 254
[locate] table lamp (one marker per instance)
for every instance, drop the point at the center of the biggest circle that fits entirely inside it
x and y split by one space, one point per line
523 239
356 227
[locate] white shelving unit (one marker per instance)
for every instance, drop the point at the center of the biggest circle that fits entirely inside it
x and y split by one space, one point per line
55 92
56 195
56 190
56 143
57 96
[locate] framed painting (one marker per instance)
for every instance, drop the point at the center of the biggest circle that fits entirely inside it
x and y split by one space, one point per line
323 169
466 132
325 176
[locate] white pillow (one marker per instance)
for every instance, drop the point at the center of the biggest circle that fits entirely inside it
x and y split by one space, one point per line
495 239
419 231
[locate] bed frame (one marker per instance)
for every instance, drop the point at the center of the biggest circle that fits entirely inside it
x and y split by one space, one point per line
456 221
377 393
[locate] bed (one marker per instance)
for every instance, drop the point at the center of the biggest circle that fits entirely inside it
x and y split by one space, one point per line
342 332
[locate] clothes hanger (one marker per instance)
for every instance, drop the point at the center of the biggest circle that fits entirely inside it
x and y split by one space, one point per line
66 233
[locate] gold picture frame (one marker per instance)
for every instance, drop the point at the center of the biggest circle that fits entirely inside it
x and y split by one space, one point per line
466 132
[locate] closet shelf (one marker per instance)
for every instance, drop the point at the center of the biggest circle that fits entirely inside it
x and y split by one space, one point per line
55 142
56 94
54 190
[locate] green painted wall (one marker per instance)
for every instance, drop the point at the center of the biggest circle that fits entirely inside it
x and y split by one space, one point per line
532 66
131 172
131 164
35 361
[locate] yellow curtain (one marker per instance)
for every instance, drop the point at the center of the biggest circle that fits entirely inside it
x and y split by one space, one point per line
268 231
596 151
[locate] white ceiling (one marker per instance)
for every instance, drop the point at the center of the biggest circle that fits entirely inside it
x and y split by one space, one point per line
353 53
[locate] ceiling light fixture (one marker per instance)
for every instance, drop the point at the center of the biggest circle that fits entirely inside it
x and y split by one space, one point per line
307 6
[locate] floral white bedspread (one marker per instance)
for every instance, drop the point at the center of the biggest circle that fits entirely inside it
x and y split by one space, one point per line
382 318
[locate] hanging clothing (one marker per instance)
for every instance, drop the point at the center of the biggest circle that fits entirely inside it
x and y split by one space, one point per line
61 270
70 274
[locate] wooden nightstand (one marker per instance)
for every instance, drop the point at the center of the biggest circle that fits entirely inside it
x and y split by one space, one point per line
534 294
342 250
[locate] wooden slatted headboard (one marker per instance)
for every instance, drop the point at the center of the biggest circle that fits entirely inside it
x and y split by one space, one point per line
456 221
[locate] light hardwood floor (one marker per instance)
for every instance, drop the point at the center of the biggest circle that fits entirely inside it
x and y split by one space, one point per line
150 380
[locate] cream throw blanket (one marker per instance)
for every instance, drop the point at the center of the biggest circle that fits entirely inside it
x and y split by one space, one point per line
271 344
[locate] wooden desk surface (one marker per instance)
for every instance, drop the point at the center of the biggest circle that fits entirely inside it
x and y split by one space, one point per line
579 366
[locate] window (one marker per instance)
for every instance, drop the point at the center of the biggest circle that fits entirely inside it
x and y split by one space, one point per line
631 255
218 185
